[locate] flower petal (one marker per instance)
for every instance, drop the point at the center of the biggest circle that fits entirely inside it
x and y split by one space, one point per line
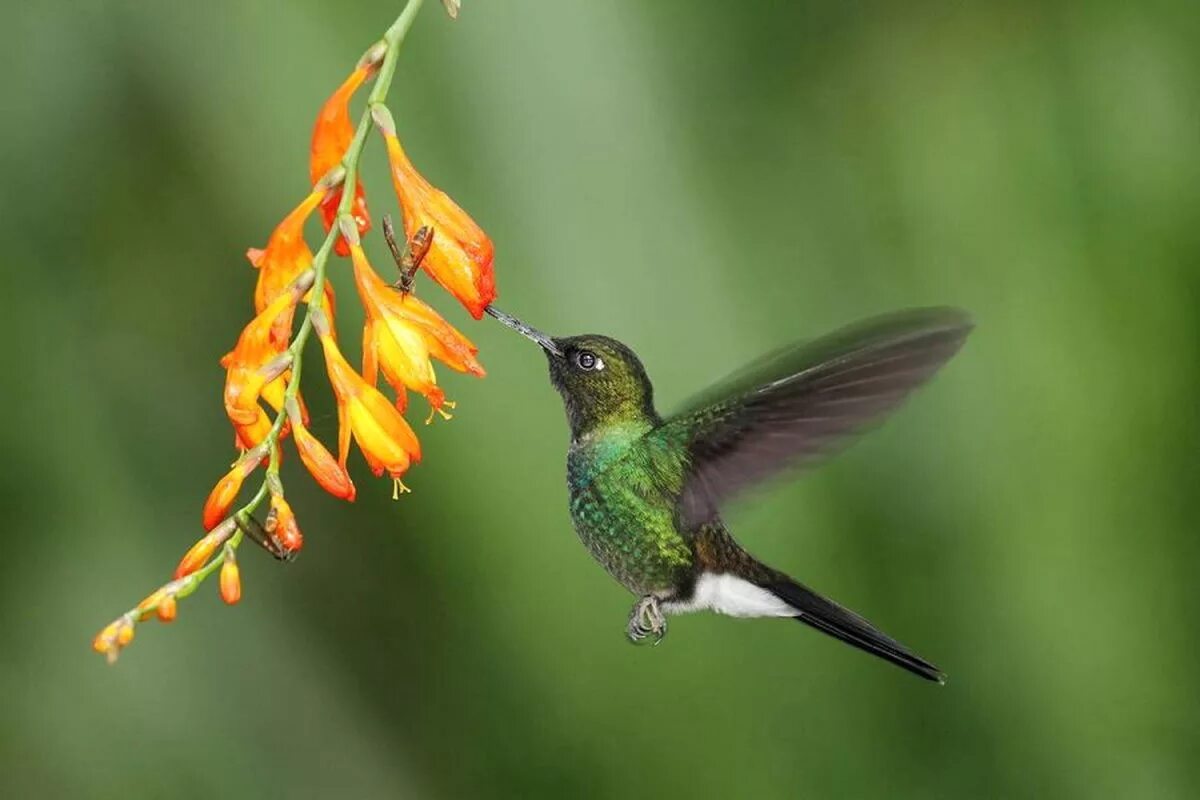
385 439
460 255
328 473
331 137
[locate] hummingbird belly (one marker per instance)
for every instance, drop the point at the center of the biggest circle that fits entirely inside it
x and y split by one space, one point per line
633 537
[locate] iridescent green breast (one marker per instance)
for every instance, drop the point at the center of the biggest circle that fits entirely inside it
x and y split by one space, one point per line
623 494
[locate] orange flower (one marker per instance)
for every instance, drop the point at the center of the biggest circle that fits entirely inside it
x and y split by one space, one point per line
203 549
329 474
247 437
383 436
330 140
116 635
230 580
160 602
258 360
281 523
149 602
168 609
460 255
273 390
402 334
216 507
285 258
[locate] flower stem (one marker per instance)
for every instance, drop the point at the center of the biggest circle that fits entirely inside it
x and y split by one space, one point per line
383 79
392 39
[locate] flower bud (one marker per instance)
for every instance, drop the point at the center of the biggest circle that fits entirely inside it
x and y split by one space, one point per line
230 580
168 608
202 550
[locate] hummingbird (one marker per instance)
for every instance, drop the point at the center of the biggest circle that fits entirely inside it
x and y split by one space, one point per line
646 492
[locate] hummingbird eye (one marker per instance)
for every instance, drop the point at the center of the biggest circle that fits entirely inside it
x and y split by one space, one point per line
587 360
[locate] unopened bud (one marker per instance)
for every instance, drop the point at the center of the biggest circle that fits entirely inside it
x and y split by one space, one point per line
230 580
125 634
202 550
168 608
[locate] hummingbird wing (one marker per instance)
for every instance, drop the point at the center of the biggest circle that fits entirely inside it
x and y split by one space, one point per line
805 402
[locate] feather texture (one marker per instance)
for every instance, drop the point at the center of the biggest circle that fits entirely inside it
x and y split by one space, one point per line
805 402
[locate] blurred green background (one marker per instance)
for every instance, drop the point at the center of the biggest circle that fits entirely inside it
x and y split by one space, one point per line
705 181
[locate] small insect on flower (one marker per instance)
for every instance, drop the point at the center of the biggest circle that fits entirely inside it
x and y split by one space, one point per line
385 439
331 137
402 334
460 254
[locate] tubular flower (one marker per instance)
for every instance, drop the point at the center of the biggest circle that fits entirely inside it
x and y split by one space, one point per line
325 469
384 438
285 258
403 338
281 523
168 609
460 255
202 550
216 508
273 390
247 437
160 602
402 334
152 600
258 360
331 138
230 580
116 635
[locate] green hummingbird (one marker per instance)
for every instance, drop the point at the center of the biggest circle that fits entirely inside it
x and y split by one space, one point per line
646 491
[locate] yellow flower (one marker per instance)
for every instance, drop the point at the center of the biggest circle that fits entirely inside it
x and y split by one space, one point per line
460 254
402 334
385 439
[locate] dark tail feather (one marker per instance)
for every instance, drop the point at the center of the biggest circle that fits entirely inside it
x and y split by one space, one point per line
841 623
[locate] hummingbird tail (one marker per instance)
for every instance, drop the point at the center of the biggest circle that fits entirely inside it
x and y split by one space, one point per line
842 623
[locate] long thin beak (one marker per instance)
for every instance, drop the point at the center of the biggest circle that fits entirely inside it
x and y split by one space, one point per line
542 339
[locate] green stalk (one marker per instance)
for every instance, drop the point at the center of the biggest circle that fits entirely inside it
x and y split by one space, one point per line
391 42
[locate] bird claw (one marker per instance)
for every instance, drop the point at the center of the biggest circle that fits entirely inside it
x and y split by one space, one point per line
646 619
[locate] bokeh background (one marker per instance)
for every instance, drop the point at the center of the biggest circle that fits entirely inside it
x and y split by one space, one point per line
705 181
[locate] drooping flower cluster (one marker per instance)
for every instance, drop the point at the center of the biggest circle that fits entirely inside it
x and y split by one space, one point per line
402 338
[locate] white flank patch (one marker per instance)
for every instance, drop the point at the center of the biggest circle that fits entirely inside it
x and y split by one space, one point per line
731 595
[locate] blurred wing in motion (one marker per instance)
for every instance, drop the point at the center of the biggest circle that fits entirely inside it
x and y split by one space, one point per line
805 402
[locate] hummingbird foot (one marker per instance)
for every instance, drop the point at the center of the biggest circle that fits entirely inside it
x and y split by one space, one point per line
646 618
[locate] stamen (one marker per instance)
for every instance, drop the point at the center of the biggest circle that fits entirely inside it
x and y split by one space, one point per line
398 488
446 415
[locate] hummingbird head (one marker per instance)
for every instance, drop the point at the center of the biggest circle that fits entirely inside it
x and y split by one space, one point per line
602 382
